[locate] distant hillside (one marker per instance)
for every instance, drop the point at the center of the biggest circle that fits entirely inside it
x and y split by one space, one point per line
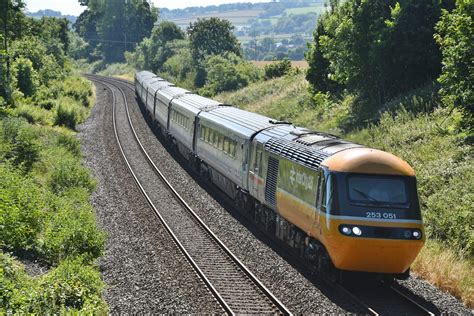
267 31
51 13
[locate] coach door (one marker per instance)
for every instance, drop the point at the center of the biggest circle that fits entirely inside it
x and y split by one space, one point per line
256 170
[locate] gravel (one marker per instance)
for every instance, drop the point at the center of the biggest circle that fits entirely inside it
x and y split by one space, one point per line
142 268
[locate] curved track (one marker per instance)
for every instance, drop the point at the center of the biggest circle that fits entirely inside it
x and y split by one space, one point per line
232 284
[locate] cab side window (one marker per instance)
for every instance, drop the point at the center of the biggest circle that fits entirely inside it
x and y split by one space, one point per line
321 199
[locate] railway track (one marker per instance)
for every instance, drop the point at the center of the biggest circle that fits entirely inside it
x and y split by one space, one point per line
236 289
382 299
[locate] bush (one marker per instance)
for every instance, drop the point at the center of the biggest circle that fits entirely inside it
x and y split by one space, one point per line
72 231
78 89
72 286
21 140
277 69
33 114
67 115
227 73
67 174
17 289
71 143
21 211
26 77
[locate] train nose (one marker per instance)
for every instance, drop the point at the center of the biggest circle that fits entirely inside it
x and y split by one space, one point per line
375 249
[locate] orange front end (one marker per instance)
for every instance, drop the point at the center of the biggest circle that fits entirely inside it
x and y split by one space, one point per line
374 254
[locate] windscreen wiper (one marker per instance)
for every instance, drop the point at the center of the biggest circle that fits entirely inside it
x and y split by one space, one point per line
366 196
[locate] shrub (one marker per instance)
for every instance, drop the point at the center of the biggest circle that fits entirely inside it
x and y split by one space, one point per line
22 141
26 77
71 231
227 73
67 115
72 286
33 114
78 89
277 69
21 211
69 173
71 143
17 289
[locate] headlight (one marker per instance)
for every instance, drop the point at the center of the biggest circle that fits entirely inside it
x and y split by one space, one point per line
356 230
416 234
346 230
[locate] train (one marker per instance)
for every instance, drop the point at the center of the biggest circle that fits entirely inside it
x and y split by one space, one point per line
339 205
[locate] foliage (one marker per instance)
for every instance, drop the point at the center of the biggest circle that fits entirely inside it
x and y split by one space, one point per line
180 69
211 36
113 27
21 211
456 38
376 50
227 73
20 142
67 115
165 40
68 174
277 69
71 231
72 287
26 78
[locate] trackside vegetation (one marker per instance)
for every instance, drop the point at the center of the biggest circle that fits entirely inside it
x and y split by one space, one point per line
49 239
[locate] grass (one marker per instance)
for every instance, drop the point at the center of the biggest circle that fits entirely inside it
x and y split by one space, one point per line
442 268
316 8
301 64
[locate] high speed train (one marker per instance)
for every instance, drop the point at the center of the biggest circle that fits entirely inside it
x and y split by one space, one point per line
341 205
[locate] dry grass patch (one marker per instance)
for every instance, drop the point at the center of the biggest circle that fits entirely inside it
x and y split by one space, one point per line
441 267
301 64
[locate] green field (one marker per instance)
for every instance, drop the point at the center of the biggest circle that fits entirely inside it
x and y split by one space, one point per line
238 17
316 8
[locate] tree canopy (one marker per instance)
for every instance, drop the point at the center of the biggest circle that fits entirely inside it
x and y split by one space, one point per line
211 37
115 26
375 49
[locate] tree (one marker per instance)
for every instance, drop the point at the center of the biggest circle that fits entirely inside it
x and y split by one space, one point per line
227 73
455 35
210 37
115 26
375 50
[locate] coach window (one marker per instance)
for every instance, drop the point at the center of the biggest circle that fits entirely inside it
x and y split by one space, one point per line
232 148
226 145
221 142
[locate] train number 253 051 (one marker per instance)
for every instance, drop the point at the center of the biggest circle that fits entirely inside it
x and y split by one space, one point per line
384 215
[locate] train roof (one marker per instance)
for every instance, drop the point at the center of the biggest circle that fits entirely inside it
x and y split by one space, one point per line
167 94
143 75
368 160
195 103
158 84
240 122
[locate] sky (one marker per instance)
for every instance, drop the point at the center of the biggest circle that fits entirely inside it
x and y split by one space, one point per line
72 7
